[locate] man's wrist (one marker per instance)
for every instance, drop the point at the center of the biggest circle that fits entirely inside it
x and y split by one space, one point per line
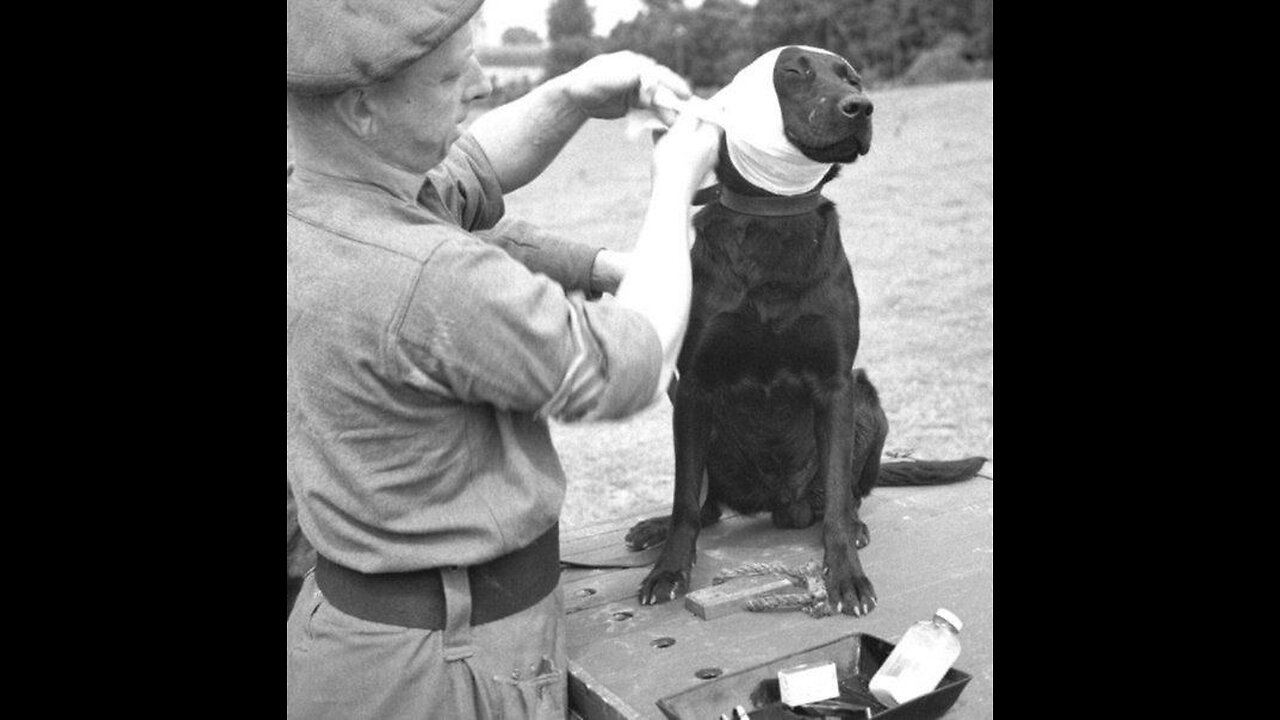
560 89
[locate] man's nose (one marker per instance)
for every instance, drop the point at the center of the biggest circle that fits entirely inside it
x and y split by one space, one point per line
481 88
856 106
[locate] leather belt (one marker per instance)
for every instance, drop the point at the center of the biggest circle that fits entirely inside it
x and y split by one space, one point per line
501 587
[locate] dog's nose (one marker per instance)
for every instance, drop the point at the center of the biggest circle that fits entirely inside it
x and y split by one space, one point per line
856 105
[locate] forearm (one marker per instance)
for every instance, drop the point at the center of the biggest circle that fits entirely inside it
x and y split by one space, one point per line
522 137
571 264
659 281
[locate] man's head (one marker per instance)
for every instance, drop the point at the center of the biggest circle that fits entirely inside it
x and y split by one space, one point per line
398 77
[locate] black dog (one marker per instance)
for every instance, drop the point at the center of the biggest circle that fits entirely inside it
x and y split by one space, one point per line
768 404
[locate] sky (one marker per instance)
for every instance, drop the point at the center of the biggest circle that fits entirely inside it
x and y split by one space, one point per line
502 14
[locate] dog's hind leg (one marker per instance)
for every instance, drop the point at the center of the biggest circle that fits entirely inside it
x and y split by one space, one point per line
870 429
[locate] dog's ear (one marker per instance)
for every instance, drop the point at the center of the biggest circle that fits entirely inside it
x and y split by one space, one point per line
831 174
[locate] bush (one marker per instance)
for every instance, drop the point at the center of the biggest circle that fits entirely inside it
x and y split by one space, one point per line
568 53
945 62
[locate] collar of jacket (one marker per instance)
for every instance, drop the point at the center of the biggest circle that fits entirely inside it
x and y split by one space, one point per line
770 206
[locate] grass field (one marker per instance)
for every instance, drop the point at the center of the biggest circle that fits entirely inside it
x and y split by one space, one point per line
917 219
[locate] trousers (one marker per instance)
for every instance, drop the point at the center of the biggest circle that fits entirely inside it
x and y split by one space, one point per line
347 668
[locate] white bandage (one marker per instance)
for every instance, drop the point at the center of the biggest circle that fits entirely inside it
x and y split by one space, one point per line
748 110
754 135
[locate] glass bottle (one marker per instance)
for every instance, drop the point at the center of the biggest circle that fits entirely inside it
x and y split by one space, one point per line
919 660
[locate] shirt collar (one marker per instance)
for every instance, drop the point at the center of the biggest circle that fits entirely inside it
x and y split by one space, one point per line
356 165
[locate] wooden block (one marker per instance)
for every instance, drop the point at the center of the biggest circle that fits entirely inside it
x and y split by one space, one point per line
719 600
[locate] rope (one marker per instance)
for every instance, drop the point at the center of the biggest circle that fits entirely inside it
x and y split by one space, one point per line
809 576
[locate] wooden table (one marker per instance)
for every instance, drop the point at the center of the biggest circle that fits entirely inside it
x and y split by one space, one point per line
930 547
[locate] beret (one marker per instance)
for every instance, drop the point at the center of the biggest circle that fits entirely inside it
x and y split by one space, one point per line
335 45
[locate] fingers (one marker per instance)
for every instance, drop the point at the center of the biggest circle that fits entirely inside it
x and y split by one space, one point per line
653 76
666 105
656 84
698 141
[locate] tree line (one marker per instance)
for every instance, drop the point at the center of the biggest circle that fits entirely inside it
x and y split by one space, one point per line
887 40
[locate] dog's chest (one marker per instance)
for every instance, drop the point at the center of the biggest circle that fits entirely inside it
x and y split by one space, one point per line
768 310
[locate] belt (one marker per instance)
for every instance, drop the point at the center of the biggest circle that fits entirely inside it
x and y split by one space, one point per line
501 587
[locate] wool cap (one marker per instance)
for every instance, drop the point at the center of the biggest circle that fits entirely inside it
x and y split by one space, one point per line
335 45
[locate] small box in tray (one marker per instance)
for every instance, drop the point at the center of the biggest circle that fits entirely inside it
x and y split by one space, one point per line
857 657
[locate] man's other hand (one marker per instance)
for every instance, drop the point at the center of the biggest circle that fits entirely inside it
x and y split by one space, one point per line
606 86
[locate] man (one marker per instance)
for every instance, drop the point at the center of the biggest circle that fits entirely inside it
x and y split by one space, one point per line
423 360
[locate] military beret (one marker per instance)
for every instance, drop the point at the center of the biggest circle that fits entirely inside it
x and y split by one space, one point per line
339 44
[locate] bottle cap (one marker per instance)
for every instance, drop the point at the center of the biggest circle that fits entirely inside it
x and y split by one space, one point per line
950 617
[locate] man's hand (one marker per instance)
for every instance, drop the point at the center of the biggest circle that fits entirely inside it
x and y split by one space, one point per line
608 270
606 86
686 153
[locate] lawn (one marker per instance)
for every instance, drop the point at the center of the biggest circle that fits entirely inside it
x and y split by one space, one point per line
917 219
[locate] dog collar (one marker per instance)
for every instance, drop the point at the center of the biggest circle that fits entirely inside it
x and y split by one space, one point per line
771 206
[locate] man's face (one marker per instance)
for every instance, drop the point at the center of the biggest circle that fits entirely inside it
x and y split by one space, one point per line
418 112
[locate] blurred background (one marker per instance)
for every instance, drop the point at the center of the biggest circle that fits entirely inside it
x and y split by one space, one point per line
891 42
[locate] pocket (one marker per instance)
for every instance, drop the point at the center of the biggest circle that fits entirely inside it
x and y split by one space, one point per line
520 665
541 697
302 618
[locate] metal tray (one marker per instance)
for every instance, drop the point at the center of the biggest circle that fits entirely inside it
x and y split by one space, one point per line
857 657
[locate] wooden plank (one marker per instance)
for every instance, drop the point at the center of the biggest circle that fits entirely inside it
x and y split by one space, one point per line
609 526
595 597
930 547
612 535
592 700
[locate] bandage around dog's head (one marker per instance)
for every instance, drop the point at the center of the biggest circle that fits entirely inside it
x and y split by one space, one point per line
754 133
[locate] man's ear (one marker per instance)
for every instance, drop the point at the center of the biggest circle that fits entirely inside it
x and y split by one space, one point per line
354 110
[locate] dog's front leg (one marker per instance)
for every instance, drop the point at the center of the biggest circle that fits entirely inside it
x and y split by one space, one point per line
691 428
848 587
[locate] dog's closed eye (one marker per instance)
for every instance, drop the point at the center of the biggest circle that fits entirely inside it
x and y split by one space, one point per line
801 68
848 74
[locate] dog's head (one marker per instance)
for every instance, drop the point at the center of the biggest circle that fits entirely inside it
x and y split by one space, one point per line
791 116
824 111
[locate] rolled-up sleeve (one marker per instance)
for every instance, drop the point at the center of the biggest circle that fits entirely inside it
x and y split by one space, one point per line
480 327
565 261
467 185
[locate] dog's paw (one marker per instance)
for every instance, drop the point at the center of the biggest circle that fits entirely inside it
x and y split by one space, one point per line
861 534
663 586
648 533
850 592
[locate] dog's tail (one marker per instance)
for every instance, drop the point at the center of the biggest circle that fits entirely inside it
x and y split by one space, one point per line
928 472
